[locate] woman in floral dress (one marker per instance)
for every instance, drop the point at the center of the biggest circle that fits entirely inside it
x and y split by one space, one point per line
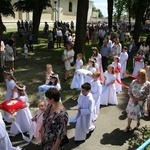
137 99
55 118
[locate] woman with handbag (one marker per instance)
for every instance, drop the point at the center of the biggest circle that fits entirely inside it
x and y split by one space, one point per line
137 96
68 58
54 126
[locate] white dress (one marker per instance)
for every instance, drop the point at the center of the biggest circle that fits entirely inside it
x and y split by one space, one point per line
5 143
89 78
138 64
98 61
66 55
96 89
78 79
39 117
84 121
108 95
23 119
117 85
10 85
9 50
123 61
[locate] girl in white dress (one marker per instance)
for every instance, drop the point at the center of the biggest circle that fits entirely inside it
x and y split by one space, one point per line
123 61
39 119
10 85
147 68
108 95
96 89
117 66
49 71
78 79
5 143
90 67
98 57
25 48
23 116
139 62
54 81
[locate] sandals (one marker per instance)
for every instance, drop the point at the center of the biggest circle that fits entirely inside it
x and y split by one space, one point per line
127 129
137 127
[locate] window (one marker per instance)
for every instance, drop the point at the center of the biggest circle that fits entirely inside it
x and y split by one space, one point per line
70 6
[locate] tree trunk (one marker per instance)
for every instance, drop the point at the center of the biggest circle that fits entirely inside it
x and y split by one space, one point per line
129 10
37 12
138 19
110 12
81 22
1 28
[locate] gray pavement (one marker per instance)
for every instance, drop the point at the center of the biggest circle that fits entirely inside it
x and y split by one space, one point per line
108 134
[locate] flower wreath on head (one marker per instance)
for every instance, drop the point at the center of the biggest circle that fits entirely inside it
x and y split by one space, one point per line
23 88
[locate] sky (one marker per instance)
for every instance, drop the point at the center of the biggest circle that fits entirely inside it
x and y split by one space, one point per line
102 5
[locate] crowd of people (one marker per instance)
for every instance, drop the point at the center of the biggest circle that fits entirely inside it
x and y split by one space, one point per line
99 83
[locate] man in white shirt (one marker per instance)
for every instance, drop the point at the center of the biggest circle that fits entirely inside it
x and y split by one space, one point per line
102 34
59 37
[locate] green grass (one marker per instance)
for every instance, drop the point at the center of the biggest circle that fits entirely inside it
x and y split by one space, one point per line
31 72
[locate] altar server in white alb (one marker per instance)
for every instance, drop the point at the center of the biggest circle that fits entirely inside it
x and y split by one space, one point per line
5 143
23 116
86 108
123 61
78 79
96 89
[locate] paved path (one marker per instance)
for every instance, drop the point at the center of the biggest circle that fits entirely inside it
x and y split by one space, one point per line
108 134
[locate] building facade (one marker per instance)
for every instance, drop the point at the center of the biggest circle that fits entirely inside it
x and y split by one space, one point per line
66 11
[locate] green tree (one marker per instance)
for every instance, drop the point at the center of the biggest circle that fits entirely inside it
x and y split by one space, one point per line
129 8
81 22
119 6
6 9
35 6
100 15
139 13
110 12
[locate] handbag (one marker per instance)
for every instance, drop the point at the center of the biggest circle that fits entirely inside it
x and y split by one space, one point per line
72 63
64 141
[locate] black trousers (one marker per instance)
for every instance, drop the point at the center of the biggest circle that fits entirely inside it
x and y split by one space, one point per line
104 63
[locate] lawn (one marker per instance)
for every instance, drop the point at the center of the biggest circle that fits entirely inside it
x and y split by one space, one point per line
31 72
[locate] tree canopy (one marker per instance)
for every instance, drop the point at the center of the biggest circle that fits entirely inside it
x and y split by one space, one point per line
100 15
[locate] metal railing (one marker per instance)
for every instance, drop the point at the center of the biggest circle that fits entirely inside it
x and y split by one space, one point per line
146 143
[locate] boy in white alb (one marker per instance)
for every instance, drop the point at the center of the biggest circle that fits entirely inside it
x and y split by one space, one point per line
96 89
86 108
